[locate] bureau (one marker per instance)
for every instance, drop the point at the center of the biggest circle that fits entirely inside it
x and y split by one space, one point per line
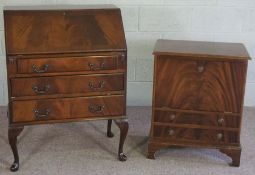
65 64
198 94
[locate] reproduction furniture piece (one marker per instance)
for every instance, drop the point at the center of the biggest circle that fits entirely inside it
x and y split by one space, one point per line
198 96
65 64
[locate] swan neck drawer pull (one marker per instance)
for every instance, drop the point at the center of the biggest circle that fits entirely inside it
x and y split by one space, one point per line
41 115
96 108
44 90
99 87
43 69
93 66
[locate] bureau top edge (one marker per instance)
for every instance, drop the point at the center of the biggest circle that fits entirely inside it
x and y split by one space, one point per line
59 7
201 49
67 54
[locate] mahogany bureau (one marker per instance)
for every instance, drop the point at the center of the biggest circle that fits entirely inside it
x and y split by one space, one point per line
65 64
198 96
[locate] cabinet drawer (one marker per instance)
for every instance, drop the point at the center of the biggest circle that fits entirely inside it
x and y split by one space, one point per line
199 85
68 64
67 108
217 120
196 135
66 84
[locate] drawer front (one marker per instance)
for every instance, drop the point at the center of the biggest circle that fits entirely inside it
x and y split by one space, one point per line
217 120
66 84
196 135
199 85
68 64
67 108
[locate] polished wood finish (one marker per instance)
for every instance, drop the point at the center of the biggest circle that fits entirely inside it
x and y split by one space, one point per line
65 64
193 118
69 64
213 88
63 30
66 84
67 108
199 50
198 96
13 133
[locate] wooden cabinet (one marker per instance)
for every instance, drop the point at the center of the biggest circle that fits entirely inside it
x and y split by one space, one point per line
65 64
198 96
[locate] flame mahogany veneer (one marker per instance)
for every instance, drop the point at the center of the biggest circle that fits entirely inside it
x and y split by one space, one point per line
65 64
198 96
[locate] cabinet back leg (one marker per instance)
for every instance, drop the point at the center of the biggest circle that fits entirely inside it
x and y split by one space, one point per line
109 129
13 133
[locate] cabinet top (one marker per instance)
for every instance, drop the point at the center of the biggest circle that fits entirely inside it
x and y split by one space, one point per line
63 29
201 49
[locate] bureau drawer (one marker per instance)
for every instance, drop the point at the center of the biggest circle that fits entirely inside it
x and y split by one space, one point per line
66 84
199 85
67 108
195 135
216 120
68 64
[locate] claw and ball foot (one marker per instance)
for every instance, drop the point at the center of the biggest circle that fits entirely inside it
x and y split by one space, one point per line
109 129
13 133
123 125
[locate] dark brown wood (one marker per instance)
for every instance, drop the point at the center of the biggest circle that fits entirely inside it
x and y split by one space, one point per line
235 155
65 64
215 88
67 108
199 50
109 129
68 64
123 125
198 96
215 120
13 133
66 84
63 30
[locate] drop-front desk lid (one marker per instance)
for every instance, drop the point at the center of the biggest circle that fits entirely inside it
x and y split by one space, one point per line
63 29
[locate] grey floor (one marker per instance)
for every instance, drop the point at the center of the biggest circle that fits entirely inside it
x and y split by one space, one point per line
83 148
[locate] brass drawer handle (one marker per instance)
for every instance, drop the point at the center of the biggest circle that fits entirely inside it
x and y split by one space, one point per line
99 87
171 132
219 136
44 90
201 66
221 121
93 66
43 70
172 117
96 108
41 115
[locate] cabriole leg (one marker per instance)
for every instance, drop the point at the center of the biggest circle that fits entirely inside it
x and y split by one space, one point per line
109 129
123 125
13 133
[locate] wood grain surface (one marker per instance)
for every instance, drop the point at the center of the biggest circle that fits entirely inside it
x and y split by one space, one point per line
181 85
63 31
66 84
